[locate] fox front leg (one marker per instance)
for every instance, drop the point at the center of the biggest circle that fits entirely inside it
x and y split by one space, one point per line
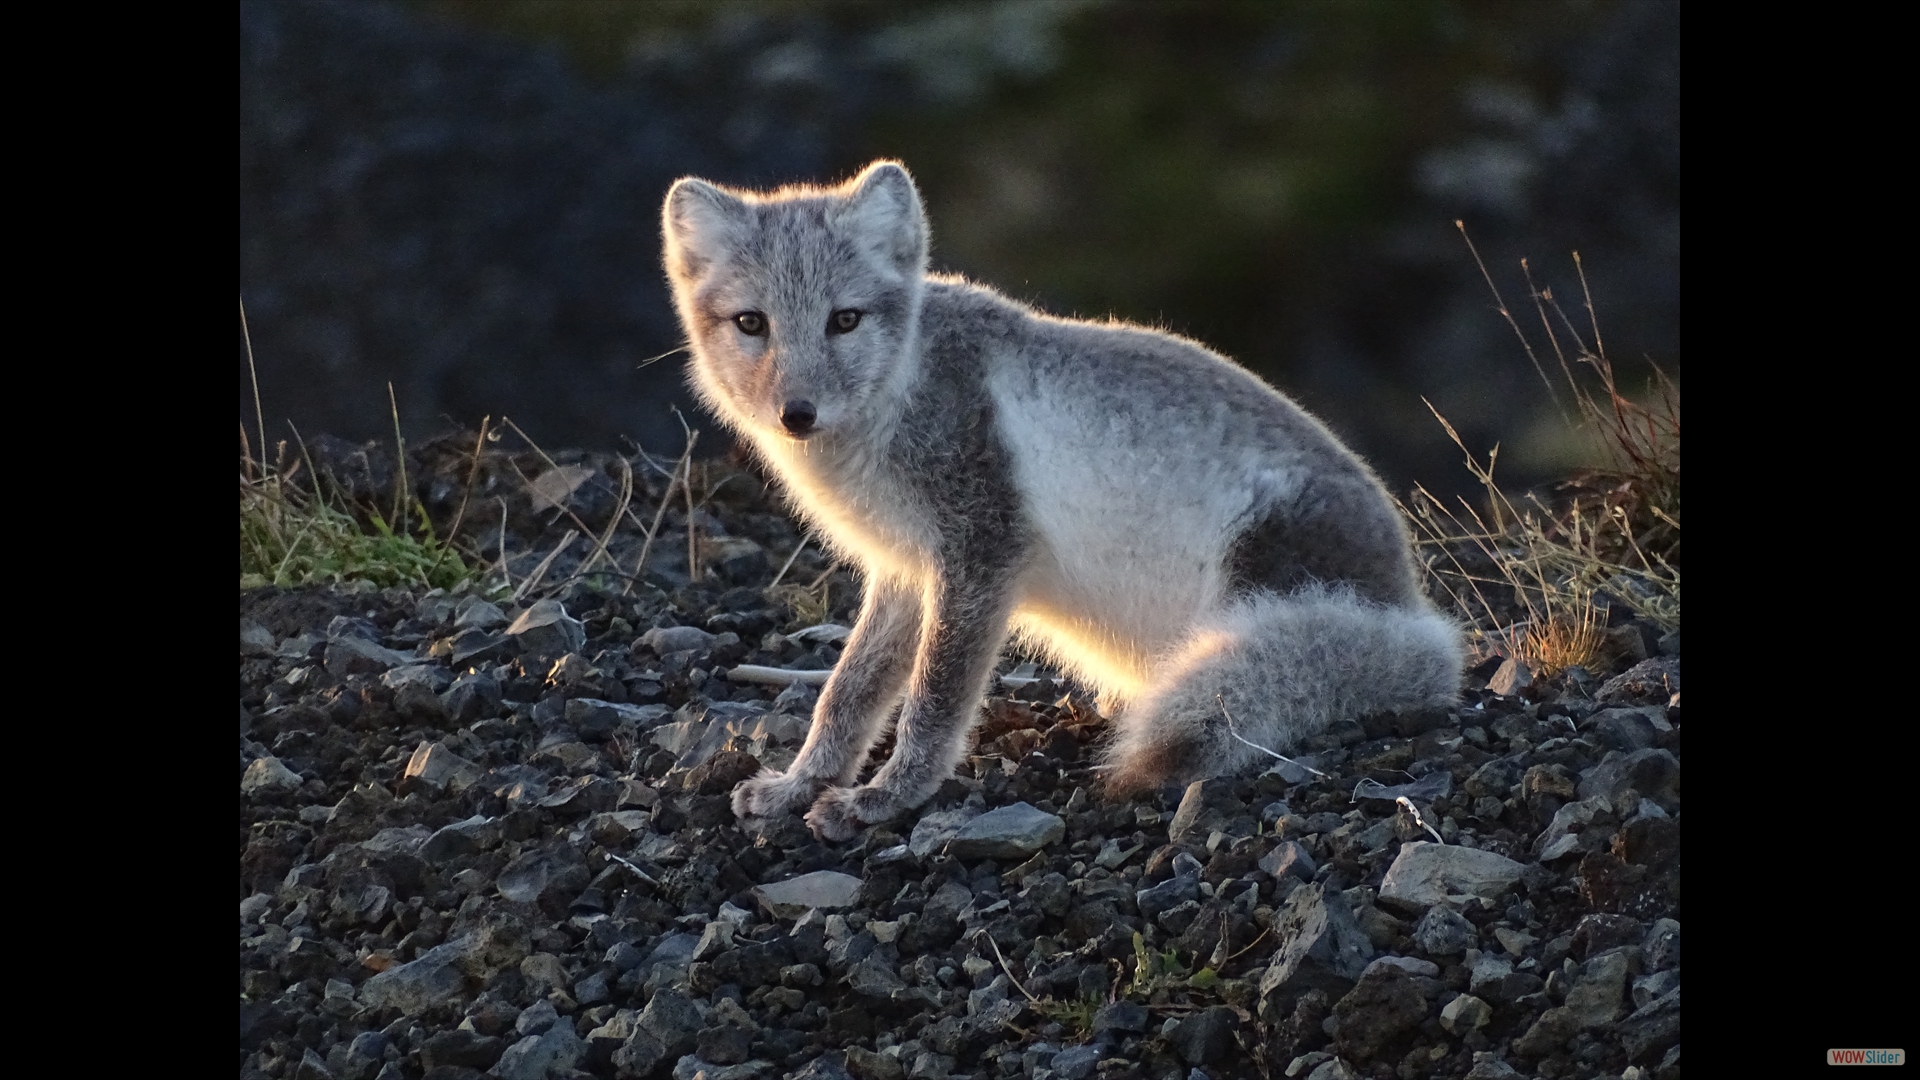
964 628
862 690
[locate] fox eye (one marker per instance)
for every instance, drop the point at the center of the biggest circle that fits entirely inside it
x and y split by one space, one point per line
751 323
842 321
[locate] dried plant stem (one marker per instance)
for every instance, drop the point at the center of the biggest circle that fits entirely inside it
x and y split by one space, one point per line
540 571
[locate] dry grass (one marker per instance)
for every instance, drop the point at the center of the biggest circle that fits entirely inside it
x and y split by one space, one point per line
1612 529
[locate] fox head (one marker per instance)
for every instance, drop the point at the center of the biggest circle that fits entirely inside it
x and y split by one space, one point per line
800 305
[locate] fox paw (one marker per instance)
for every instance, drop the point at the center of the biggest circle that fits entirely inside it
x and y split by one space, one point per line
843 813
772 794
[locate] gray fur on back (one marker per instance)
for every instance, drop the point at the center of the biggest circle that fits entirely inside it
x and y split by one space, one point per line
1159 521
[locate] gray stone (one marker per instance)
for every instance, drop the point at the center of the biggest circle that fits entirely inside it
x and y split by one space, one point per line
550 1054
674 1020
1488 1067
467 837
1332 1068
1598 990
1512 677
1290 857
928 1065
692 1068
1385 1005
473 696
1120 1016
1412 965
433 677
1321 946
1465 1013
1171 893
1192 803
1649 988
714 940
827 890
1444 932
311 1067
436 977
874 977
1076 1062
1628 729
439 768
1424 874
477 614
358 656
1007 833
932 831
1566 834
1113 856
671 639
267 776
1655 774
1661 948
1206 1037
545 629
545 972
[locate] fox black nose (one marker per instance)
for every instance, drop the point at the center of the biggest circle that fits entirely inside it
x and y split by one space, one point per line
797 416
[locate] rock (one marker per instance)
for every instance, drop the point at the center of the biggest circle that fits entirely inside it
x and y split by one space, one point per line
1320 944
542 876
1628 729
867 1065
460 1047
827 890
467 837
438 768
546 973
1652 1028
473 696
1412 965
546 630
1444 932
477 614
932 831
1076 1062
928 1065
1384 1006
828 1066
436 977
1648 988
1169 894
1488 1067
1511 677
1120 1016
358 656
1008 833
1290 857
1192 803
875 978
1206 1037
1598 990
311 1067
1424 874
719 774
1656 679
267 776
1655 774
1660 949
674 1021
672 639
1332 1068
1567 833
1515 942
1465 1013
1548 1034
552 1053
714 940
1113 856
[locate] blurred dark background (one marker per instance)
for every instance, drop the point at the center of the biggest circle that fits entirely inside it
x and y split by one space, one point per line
461 197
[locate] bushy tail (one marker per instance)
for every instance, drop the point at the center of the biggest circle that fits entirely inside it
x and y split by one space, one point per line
1285 667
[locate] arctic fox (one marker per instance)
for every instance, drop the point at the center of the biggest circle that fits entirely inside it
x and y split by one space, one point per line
1155 519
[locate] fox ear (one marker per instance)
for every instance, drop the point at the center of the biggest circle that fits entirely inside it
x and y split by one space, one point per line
700 223
884 214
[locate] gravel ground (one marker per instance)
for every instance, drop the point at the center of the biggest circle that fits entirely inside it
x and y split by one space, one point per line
488 839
